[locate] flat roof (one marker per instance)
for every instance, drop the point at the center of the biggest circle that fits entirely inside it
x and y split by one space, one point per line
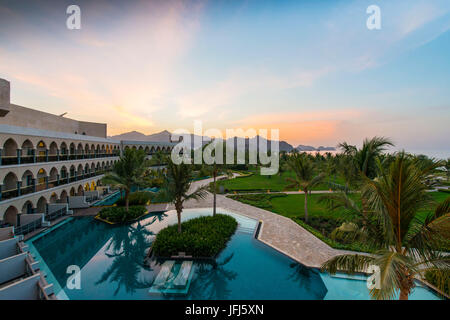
6 128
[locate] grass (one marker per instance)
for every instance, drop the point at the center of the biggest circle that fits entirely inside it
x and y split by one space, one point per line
292 206
277 183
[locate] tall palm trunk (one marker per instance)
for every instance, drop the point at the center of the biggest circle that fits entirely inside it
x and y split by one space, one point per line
405 284
179 220
365 210
403 294
179 208
214 192
127 200
306 205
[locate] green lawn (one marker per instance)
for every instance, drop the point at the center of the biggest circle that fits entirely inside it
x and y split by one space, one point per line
257 182
292 206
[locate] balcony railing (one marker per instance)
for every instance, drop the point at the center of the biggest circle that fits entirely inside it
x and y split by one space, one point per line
28 159
56 214
14 193
29 227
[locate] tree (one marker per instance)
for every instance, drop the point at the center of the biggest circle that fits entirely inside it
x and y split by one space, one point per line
158 158
405 245
177 185
214 170
447 168
127 172
364 158
305 176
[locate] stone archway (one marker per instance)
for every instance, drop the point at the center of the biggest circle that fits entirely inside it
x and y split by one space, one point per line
11 215
41 206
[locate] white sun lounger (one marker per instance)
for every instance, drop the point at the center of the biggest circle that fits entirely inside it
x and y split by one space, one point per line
183 274
164 273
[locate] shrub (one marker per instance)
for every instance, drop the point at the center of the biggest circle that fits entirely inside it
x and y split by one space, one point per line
324 225
120 215
138 198
260 200
200 237
355 246
432 278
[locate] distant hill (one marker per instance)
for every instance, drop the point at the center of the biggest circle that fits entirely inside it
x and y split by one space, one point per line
164 136
310 148
133 135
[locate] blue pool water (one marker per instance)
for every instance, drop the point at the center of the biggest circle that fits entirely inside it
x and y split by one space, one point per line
114 197
111 263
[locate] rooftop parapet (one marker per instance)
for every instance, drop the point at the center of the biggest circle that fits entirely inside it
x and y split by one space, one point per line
4 97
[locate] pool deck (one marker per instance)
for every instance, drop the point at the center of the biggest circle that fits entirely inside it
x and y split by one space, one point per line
277 231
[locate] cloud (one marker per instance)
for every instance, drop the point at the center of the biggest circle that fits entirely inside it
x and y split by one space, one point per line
128 61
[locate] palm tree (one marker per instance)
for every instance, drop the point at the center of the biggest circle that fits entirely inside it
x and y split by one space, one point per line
447 168
127 172
127 247
405 245
158 158
364 158
177 183
305 178
214 170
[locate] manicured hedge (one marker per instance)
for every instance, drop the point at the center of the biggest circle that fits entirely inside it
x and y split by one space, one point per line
200 237
138 198
120 215
259 200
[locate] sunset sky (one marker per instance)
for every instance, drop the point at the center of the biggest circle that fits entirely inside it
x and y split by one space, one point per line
310 68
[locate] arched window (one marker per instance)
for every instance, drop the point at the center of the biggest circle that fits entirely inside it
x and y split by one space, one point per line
41 206
10 148
11 216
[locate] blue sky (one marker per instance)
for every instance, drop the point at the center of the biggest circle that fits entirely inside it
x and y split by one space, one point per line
309 68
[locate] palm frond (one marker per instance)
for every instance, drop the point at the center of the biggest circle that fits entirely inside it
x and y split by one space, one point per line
348 263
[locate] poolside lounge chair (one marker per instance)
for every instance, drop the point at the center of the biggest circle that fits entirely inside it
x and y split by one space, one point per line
163 273
183 274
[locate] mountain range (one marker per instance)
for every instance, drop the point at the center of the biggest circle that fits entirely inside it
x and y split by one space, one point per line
164 136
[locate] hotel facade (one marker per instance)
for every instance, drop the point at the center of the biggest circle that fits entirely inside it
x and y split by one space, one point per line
50 164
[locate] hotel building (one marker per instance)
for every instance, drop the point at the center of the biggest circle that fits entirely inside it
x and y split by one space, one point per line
50 164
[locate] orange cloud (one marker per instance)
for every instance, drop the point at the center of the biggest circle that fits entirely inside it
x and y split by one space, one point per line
302 127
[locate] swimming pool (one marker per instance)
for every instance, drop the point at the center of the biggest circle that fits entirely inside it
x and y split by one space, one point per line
114 197
111 263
